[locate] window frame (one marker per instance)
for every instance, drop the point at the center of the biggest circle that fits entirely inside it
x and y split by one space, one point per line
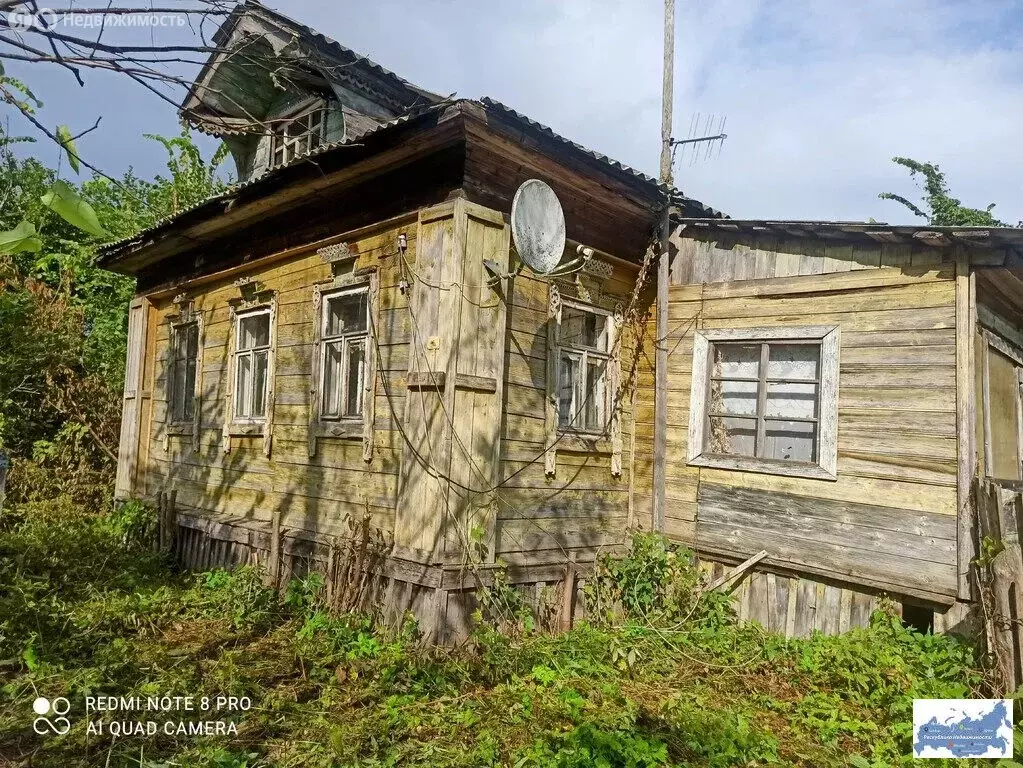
283 143
174 418
238 353
826 465
585 353
346 339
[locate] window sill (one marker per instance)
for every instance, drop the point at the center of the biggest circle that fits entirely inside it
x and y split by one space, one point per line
184 429
246 429
763 466
340 430
581 442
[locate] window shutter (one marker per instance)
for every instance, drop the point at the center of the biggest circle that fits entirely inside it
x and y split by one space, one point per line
615 396
169 366
551 410
315 394
127 455
232 341
197 397
369 384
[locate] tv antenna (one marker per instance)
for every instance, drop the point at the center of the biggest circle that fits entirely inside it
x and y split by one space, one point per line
538 231
697 144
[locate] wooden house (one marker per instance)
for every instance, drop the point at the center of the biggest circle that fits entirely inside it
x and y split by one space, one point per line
335 365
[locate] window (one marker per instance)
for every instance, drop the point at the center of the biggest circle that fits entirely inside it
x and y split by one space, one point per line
252 358
181 389
583 354
297 135
766 400
344 335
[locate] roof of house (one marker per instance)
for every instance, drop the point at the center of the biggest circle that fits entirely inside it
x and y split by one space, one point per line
984 237
406 94
266 182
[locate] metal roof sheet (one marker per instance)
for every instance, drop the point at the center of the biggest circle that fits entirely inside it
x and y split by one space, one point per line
939 236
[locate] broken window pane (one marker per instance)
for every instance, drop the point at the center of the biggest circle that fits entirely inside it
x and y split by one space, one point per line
736 437
790 440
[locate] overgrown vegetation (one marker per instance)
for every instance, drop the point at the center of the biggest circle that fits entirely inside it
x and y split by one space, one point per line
938 206
662 677
63 320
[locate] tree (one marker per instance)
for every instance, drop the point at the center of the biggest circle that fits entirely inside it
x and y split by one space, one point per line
63 320
938 206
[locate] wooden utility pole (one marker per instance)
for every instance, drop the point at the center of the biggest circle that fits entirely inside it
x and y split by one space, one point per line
661 353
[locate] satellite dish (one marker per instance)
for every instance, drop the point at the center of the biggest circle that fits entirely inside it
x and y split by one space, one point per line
538 226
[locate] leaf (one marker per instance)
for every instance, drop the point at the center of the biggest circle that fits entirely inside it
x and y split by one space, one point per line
67 141
22 238
67 203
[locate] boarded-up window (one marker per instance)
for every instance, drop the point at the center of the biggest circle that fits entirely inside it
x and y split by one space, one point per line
344 337
1003 416
252 365
766 400
181 389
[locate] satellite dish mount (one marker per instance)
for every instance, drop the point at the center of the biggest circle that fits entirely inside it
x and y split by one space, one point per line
538 231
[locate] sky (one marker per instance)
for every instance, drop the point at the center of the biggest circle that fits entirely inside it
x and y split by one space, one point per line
818 95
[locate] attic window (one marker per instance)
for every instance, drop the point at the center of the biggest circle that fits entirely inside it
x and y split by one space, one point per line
298 134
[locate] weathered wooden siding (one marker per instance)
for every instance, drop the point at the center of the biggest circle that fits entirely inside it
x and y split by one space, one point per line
584 506
306 493
889 521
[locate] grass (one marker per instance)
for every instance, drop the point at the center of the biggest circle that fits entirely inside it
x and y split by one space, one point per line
662 678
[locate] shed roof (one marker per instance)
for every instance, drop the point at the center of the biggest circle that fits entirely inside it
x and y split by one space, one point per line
983 237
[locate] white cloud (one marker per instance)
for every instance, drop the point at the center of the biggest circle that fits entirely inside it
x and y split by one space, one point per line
819 95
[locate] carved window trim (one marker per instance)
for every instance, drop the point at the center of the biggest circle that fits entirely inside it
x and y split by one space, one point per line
826 465
361 428
254 301
176 322
607 440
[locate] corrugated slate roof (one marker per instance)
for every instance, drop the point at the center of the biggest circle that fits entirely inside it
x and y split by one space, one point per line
487 104
676 194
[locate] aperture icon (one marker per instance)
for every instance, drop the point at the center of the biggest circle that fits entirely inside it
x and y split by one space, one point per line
44 724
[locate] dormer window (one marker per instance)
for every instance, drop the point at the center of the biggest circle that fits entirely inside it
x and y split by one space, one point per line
298 133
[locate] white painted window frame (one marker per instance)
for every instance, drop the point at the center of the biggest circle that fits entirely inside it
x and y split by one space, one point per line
826 466
346 340
585 353
238 353
287 146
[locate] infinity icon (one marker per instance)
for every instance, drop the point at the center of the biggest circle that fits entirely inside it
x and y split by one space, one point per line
58 725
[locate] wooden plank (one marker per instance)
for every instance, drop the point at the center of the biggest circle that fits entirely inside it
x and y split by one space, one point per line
966 427
831 538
